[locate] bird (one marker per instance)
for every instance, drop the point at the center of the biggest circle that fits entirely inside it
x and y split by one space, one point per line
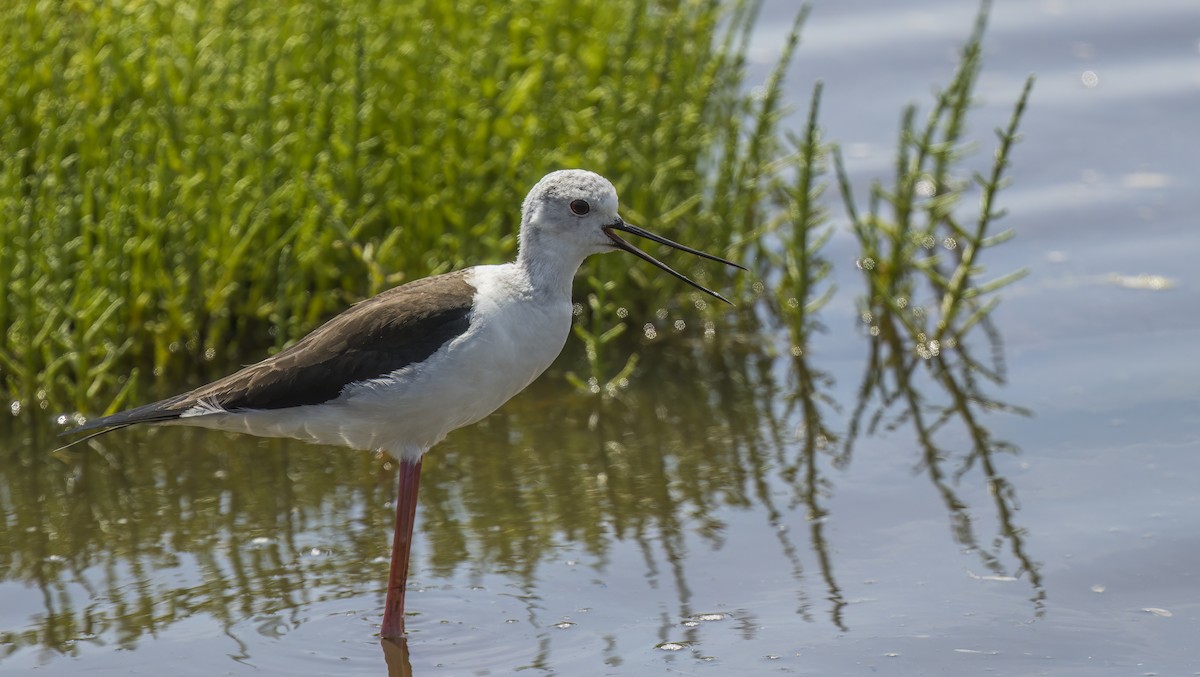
397 372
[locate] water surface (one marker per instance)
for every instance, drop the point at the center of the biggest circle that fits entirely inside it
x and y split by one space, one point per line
694 526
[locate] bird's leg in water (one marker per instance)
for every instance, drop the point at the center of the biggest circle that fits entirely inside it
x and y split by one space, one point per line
406 512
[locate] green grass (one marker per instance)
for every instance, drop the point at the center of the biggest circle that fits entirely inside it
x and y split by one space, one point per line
185 185
188 182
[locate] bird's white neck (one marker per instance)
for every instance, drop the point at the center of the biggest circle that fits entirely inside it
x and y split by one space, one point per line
549 265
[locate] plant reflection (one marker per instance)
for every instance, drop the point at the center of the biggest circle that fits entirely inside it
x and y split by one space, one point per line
905 391
140 531
126 539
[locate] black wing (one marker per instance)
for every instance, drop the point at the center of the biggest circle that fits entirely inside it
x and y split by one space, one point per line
387 332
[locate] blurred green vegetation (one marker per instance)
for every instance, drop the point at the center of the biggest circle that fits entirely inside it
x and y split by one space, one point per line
185 184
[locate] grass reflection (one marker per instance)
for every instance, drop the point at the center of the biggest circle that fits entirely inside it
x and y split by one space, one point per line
651 466
125 538
147 529
134 534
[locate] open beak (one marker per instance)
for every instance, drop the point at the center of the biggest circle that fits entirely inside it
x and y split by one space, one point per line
634 230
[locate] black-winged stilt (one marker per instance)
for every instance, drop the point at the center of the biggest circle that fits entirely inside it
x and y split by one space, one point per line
399 371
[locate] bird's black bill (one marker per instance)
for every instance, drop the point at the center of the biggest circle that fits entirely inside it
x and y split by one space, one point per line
634 230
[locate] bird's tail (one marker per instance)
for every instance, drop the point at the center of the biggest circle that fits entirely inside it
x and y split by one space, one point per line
85 438
155 412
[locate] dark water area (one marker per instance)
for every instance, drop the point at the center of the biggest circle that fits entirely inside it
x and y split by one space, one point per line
705 522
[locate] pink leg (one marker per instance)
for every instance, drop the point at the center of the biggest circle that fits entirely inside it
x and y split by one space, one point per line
406 511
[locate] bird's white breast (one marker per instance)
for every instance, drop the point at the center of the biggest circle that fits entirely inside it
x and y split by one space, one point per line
514 335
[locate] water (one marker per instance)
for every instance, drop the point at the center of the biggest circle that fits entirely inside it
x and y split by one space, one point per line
670 532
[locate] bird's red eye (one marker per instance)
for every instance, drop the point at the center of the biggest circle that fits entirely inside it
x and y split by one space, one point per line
580 207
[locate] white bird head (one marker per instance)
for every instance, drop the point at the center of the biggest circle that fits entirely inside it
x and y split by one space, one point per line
572 214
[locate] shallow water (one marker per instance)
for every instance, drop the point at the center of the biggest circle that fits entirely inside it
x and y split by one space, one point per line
687 528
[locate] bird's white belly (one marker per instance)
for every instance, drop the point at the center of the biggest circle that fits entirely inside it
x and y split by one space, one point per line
512 339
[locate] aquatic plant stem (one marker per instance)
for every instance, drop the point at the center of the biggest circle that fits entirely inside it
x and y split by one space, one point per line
406 512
